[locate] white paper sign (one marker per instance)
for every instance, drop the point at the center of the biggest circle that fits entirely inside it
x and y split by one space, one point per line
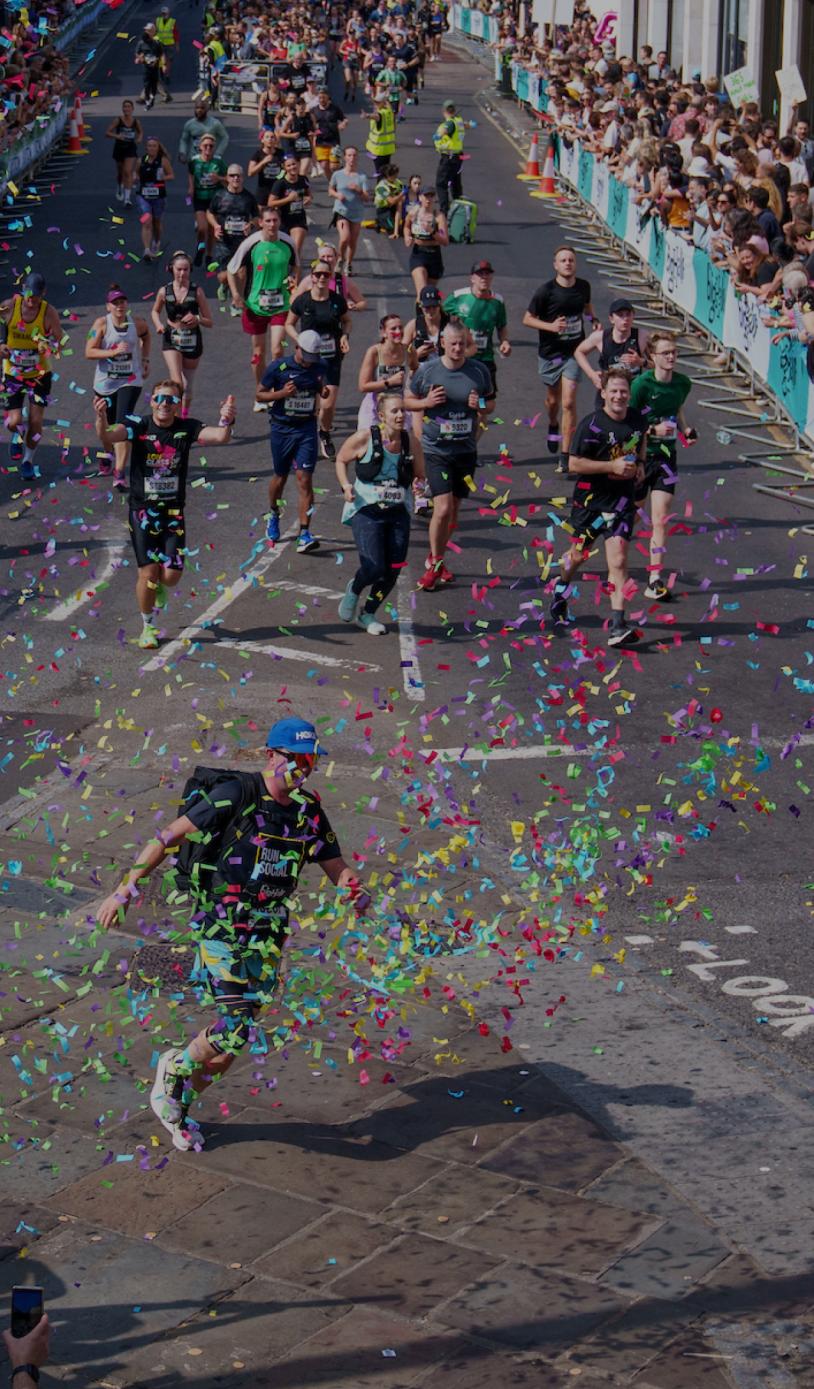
791 84
741 86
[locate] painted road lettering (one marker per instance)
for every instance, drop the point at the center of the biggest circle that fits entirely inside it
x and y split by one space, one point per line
769 995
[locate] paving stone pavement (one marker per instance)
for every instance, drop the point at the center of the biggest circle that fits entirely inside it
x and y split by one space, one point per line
450 1219
454 1230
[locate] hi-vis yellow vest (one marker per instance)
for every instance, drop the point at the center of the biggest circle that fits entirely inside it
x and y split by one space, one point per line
381 139
450 144
165 30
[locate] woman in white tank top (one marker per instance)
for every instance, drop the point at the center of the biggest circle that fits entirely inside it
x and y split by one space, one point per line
119 344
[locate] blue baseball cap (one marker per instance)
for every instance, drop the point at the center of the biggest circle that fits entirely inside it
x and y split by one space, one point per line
293 735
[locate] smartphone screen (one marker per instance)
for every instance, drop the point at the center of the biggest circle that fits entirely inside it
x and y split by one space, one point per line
26 1310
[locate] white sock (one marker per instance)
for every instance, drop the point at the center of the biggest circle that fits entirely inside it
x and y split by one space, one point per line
28 453
147 619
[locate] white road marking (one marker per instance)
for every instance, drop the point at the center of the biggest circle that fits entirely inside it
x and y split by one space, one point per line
478 754
410 665
223 601
309 590
740 930
311 658
83 595
768 995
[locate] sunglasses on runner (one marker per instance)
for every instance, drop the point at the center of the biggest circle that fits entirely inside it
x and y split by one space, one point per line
303 761
320 275
162 399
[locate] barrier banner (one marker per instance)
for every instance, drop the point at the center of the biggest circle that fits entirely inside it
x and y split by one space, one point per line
678 278
711 285
242 85
585 174
618 196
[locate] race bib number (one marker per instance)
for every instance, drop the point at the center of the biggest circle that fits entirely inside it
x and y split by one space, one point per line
573 326
208 181
455 429
389 494
121 365
300 404
184 338
234 226
161 486
24 360
270 300
481 340
302 145
295 205
327 345
151 190
668 429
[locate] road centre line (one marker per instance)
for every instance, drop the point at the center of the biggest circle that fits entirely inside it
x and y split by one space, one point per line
316 658
224 600
83 595
410 665
498 754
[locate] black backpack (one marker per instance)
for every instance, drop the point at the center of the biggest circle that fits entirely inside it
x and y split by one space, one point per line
369 471
197 859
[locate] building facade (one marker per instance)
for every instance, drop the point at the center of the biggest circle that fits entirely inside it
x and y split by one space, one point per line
718 36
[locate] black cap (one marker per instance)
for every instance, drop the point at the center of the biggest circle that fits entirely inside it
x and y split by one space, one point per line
621 306
430 294
34 283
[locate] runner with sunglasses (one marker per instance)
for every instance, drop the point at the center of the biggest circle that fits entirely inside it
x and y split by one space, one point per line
241 921
159 462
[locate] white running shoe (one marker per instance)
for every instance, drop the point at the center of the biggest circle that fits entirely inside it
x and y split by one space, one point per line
166 1096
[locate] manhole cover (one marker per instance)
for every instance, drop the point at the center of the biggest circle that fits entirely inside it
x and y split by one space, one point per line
162 966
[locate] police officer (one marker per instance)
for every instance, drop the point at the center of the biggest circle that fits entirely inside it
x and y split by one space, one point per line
449 144
381 140
166 31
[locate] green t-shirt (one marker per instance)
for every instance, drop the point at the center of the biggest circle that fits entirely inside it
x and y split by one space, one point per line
659 400
272 262
483 318
204 176
394 79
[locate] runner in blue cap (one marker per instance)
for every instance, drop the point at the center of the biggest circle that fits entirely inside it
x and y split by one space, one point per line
252 833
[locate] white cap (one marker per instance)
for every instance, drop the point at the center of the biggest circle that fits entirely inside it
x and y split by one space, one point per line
699 167
309 343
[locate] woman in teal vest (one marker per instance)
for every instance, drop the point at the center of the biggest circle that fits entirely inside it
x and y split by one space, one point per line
386 459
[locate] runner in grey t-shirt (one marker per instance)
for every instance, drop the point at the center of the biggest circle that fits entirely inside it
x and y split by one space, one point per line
453 394
350 191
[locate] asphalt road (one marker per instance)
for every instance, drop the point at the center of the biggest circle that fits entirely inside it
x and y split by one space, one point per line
639 799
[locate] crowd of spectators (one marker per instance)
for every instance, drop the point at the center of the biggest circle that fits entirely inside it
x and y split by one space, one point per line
34 74
723 177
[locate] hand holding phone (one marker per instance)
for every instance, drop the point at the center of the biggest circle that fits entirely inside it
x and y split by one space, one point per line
26 1310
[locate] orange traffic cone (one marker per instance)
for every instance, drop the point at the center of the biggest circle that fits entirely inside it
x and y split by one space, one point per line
547 187
77 110
533 161
74 145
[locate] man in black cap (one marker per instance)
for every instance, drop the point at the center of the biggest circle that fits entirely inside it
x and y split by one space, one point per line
619 345
484 313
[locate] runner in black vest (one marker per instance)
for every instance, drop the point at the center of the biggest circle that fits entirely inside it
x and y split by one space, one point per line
619 345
